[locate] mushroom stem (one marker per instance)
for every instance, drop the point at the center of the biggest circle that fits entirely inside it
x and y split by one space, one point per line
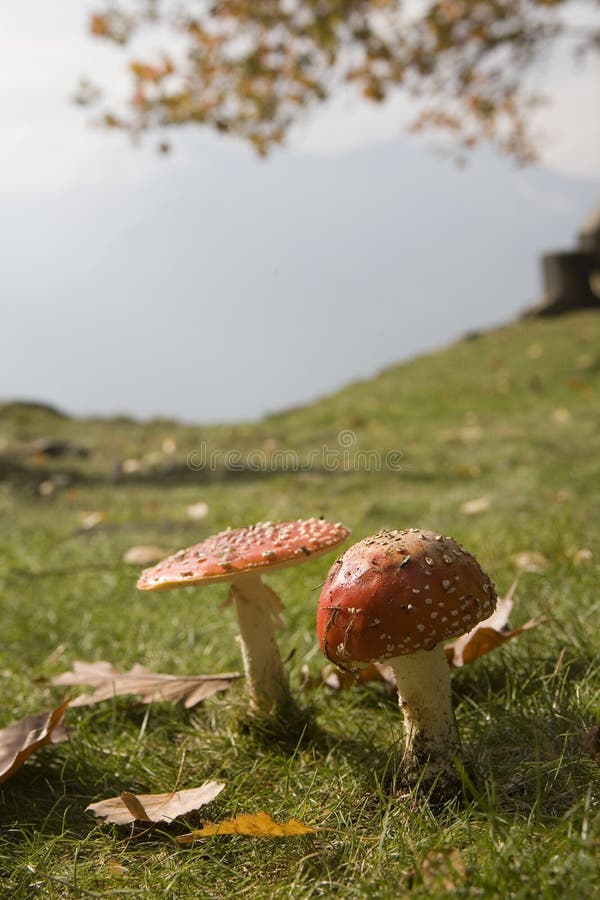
431 741
258 608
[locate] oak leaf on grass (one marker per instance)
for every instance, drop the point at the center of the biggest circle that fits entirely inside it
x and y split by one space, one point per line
149 686
144 555
488 635
129 807
259 824
19 740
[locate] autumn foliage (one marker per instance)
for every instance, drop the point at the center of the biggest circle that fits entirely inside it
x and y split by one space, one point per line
250 67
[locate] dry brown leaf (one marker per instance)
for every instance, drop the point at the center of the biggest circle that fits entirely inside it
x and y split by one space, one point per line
342 680
20 740
531 561
258 825
149 686
476 506
488 635
115 868
130 807
197 510
89 519
579 556
130 466
144 555
444 870
562 416
591 743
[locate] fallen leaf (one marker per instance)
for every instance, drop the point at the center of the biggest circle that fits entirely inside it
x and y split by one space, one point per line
114 868
579 556
561 416
130 807
444 870
20 740
468 471
342 680
90 519
144 555
488 635
197 510
531 561
130 466
150 686
591 743
476 506
258 825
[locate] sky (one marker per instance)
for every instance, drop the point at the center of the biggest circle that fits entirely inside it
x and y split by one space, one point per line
213 286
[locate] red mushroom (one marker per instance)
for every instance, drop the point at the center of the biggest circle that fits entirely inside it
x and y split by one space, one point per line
241 556
396 597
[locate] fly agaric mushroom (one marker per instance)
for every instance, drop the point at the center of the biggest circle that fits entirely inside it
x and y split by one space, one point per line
396 597
241 556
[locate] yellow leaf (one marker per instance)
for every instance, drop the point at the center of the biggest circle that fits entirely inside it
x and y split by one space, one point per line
258 825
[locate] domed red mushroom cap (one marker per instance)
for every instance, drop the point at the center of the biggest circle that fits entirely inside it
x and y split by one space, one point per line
398 592
253 549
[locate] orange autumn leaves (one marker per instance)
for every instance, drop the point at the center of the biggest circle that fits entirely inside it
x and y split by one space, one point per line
258 825
466 61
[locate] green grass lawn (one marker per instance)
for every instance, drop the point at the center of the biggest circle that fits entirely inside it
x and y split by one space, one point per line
512 416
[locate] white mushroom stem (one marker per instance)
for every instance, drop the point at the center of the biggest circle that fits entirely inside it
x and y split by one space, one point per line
431 740
258 609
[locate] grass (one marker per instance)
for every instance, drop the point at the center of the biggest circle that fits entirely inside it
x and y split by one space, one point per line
512 415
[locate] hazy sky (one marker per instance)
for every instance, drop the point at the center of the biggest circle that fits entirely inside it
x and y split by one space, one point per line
211 285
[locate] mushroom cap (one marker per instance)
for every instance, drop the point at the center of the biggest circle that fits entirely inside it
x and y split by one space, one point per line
397 592
238 551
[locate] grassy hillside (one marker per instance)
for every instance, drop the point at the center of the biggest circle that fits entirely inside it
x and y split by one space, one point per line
512 416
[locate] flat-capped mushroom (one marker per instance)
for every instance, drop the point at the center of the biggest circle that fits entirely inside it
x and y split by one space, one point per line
241 556
396 597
